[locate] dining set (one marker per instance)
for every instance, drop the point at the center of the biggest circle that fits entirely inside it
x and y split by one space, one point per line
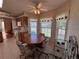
43 51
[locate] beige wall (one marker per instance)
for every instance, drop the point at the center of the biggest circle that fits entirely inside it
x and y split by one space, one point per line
73 27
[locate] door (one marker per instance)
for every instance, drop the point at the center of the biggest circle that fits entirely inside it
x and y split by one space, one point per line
8 27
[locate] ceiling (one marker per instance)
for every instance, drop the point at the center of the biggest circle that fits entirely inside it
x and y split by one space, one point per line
20 6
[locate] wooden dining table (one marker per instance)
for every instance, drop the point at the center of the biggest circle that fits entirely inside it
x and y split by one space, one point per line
34 45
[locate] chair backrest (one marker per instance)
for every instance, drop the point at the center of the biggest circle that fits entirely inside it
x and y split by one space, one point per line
24 49
72 48
21 47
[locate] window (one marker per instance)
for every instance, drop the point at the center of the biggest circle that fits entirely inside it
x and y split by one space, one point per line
46 26
61 28
33 26
1 3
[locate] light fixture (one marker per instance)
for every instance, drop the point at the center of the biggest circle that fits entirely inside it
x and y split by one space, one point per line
1 3
37 11
37 8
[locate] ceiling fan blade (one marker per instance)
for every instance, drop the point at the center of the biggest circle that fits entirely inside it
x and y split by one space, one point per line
39 5
30 6
43 9
31 10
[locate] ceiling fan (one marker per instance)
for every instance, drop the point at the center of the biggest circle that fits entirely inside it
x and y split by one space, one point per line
37 8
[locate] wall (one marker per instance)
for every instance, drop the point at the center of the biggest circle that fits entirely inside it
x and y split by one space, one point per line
73 26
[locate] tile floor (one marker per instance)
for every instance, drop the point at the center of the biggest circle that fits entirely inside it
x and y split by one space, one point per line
9 49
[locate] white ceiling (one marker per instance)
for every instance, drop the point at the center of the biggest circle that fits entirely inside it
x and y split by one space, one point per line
19 6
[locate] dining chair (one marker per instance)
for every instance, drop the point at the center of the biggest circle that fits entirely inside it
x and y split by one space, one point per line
25 51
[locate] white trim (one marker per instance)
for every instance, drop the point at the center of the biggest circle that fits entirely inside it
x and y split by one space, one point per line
5 15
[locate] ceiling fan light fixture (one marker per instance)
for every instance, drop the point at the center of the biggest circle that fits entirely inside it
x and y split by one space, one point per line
37 12
36 9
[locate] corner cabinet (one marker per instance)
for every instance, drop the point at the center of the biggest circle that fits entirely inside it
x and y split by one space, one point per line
23 34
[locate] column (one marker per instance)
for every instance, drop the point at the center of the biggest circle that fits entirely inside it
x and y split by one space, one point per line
53 33
38 28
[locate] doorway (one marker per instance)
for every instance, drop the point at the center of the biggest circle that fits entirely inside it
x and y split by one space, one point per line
8 28
3 30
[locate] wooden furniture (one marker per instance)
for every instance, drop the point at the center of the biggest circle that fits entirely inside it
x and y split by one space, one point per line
23 34
24 37
22 20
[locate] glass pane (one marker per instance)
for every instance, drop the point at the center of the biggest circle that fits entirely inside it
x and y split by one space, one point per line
33 25
61 26
1 3
46 26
